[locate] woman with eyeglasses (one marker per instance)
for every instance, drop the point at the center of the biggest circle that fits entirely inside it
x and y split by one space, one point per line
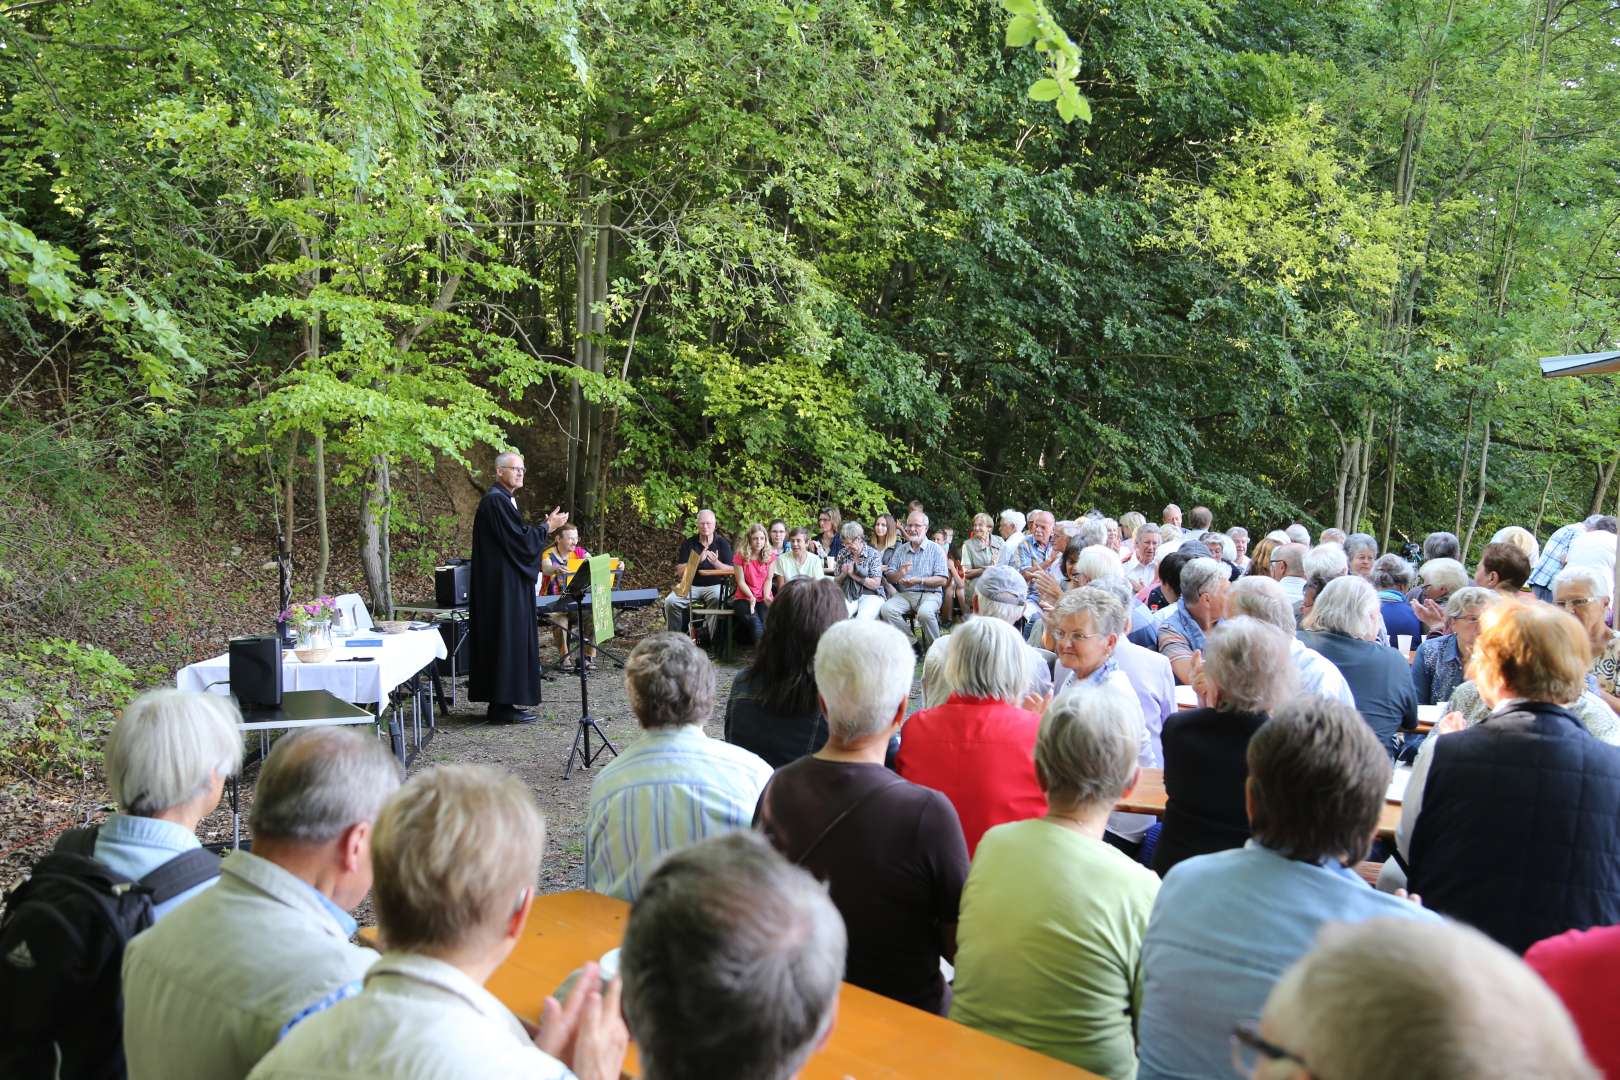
1583 591
1441 662
1085 628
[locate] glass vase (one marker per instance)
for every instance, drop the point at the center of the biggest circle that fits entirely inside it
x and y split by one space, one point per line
314 641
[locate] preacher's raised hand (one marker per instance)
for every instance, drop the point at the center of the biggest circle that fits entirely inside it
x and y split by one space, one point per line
556 519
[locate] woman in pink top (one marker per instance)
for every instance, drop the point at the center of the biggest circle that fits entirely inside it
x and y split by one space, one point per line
753 563
553 576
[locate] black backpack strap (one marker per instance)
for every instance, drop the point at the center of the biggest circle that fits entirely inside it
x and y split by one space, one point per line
185 871
79 841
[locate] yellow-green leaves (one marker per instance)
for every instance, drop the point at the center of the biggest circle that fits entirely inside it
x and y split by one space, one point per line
1032 23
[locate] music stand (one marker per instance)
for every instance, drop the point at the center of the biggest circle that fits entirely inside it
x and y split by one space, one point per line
578 585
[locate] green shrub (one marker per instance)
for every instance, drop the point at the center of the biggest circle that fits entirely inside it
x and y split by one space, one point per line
57 700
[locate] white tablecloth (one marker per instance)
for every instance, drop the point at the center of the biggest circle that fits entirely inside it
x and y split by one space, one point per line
399 657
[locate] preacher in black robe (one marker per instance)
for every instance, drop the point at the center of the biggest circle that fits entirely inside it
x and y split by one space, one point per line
503 640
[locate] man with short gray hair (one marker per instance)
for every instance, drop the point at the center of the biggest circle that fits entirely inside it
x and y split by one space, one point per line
918 572
1204 585
673 786
1299 534
209 990
732 962
1288 570
714 566
890 851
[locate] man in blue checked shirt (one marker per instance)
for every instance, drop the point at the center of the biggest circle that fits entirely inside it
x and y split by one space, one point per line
917 570
1553 557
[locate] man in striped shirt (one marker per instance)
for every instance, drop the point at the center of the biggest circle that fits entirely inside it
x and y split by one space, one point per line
674 786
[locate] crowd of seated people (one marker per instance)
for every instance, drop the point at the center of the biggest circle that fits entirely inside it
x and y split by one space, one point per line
991 858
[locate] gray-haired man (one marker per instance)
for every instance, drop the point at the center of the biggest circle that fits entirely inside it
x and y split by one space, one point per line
732 962
210 989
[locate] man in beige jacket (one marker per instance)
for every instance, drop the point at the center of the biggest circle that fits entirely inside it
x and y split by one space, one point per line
210 989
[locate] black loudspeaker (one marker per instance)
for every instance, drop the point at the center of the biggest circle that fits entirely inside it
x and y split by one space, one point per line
454 632
451 582
256 671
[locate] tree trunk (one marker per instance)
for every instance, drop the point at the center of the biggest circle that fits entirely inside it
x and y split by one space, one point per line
373 536
1363 473
1341 477
1462 466
1479 497
323 556
592 473
1389 478
1541 511
1600 490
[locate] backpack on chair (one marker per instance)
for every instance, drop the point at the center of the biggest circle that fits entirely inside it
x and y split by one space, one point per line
61 953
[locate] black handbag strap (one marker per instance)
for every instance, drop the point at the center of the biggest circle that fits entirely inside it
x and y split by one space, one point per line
800 858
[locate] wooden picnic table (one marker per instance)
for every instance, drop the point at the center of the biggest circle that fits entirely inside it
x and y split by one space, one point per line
874 1038
1150 798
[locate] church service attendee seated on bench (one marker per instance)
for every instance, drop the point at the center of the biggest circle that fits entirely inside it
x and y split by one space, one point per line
751 601
1392 576
713 570
773 709
976 747
212 988
860 573
1050 939
167 761
1203 587
1225 926
1343 626
1247 673
1287 567
65 928
917 571
1512 825
798 561
1399 1000
1584 593
1437 580
1583 969
1263 599
1360 551
731 963
891 852
1441 545
1149 673
1142 570
1000 595
1441 663
674 785
457 854
1502 567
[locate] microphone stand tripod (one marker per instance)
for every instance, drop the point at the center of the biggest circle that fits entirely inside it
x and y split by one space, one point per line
587 722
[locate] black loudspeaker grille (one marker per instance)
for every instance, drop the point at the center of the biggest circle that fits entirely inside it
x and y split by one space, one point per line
451 583
256 671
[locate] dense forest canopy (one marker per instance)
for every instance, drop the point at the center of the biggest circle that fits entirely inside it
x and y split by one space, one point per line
1289 258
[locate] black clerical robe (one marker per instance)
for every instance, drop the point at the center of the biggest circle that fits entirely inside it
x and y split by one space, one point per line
503 640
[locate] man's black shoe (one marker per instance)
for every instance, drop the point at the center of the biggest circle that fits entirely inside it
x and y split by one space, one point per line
523 716
511 714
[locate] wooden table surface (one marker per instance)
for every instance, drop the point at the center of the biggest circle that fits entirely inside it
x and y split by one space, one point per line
874 1038
1149 798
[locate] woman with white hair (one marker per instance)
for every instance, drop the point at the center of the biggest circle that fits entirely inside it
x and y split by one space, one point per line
981 549
1360 551
1343 626
976 747
1521 538
1583 591
1052 917
1247 672
1240 547
1085 629
891 852
1437 579
167 761
1441 662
